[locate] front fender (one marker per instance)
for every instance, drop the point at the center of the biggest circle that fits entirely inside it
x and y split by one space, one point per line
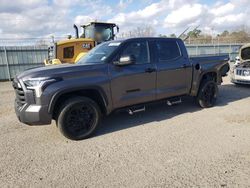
58 94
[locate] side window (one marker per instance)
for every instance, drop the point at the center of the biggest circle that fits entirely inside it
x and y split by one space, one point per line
139 50
68 52
167 50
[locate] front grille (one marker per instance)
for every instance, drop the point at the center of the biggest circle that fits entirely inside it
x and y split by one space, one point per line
238 72
242 72
20 96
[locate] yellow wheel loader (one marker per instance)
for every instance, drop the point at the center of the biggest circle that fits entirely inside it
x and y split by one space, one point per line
71 50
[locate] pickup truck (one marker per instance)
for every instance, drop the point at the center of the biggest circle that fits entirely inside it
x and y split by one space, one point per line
116 75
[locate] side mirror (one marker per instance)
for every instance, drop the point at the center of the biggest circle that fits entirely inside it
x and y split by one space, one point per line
125 60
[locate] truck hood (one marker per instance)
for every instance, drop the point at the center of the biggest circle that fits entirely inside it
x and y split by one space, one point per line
245 64
245 53
57 71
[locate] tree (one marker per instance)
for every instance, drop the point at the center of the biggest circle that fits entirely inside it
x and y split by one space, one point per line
142 31
224 33
172 35
195 33
160 35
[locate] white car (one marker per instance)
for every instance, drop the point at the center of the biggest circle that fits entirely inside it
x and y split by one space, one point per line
241 71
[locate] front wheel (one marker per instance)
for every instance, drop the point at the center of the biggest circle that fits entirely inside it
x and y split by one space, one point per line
207 95
78 118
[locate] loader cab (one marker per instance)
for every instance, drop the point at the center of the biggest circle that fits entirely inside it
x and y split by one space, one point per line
72 49
99 32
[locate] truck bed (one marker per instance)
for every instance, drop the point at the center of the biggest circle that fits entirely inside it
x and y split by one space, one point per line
210 58
219 60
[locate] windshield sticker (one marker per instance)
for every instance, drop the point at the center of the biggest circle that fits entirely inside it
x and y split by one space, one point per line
114 44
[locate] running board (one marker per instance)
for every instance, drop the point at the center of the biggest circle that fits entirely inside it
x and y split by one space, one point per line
174 101
134 110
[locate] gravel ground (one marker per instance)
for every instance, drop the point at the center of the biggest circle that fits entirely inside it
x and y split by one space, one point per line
179 146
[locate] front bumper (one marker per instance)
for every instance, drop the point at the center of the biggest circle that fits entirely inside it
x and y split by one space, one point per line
240 81
27 111
33 114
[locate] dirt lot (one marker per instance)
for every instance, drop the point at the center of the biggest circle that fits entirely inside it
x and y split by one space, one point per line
180 146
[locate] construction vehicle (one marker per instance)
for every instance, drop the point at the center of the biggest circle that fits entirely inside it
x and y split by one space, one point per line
72 49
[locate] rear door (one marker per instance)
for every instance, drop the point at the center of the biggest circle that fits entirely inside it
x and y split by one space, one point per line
174 71
135 83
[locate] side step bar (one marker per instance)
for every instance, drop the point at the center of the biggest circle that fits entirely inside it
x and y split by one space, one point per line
174 101
136 109
170 102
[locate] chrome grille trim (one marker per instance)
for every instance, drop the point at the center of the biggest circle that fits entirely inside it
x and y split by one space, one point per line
20 95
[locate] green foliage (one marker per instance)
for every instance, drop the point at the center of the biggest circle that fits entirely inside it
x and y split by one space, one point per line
195 33
172 35
197 36
224 33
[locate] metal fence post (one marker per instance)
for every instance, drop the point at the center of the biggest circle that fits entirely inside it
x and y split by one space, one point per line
7 62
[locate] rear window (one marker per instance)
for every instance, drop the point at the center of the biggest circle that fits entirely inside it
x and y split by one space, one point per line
167 50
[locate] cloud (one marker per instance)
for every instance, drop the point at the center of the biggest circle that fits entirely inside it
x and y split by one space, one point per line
40 18
140 17
223 9
66 3
15 6
124 4
184 15
217 17
232 19
37 18
81 20
29 23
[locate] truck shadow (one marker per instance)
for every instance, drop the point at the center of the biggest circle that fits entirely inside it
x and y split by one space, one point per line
160 111
229 93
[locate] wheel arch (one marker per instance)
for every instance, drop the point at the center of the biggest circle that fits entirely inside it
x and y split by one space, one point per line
208 75
94 92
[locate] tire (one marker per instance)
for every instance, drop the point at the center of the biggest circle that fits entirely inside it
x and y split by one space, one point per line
207 95
78 118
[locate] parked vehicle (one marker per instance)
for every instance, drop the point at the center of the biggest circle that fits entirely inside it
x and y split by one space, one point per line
71 50
116 75
240 73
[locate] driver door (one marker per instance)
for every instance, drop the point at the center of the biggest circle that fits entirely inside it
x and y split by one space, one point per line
134 83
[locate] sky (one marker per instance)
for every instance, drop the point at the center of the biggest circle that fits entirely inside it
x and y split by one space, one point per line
44 18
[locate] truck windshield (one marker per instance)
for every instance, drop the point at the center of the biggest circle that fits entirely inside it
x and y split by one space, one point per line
99 54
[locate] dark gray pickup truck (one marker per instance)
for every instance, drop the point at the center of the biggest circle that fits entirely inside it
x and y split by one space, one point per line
126 74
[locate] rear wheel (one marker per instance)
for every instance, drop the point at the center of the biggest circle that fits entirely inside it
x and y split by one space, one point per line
78 118
207 95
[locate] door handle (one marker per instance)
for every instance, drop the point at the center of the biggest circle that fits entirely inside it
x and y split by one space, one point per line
150 70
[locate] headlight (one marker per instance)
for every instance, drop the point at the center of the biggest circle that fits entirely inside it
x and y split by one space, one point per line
39 84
